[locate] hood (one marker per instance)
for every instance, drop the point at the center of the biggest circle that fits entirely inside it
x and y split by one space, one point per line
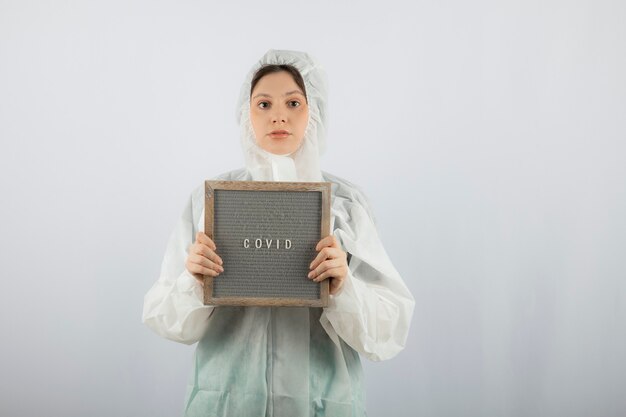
302 164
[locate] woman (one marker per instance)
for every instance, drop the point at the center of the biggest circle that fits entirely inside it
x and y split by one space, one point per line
261 361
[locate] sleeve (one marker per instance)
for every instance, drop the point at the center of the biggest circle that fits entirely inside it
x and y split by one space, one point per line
373 310
173 307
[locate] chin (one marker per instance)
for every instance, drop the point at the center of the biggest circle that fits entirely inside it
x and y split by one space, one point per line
280 150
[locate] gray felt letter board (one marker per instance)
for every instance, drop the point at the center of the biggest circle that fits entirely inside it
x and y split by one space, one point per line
266 233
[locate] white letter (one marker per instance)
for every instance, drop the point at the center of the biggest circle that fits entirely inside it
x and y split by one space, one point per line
287 244
246 243
258 243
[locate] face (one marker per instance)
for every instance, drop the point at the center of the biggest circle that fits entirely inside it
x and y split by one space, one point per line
279 113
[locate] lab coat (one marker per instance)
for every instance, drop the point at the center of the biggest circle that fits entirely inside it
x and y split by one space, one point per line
284 361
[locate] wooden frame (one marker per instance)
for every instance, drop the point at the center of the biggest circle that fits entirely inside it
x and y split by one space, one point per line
263 186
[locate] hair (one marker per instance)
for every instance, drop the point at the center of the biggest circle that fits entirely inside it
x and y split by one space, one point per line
272 68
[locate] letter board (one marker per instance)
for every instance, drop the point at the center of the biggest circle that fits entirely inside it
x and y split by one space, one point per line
266 233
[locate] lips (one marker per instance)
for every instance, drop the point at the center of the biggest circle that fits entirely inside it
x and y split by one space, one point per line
279 133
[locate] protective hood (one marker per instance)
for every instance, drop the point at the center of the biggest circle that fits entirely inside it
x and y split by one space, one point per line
302 164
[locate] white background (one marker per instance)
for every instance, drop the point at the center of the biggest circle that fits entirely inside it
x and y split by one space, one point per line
489 137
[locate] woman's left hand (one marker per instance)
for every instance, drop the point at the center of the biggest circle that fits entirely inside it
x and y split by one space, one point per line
331 262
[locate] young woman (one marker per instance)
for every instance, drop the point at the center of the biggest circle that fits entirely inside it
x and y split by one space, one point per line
283 361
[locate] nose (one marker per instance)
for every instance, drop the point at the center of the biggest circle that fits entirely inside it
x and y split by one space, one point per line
278 117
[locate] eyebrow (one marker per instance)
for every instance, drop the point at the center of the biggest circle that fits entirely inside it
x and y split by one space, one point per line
288 93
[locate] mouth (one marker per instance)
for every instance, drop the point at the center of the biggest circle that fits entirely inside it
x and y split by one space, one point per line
279 134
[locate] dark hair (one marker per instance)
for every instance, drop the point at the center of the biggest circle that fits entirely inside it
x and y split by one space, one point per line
272 68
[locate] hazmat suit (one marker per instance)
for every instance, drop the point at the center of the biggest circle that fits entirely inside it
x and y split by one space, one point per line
285 361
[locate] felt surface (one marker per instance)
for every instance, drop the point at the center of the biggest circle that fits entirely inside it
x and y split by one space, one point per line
273 217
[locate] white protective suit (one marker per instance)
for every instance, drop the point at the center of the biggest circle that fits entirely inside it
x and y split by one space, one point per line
285 361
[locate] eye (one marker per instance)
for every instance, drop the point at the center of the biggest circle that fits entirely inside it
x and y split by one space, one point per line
294 103
263 104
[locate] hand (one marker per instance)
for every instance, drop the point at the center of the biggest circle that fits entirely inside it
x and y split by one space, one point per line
202 259
331 262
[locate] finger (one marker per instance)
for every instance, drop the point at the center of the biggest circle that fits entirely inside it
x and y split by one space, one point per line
204 250
201 260
209 254
326 253
210 264
336 273
196 247
203 238
196 269
328 241
327 264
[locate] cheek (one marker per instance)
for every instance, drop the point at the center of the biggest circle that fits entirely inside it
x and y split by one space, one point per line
253 117
254 121
304 120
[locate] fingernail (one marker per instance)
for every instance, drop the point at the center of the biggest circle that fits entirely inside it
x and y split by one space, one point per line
310 274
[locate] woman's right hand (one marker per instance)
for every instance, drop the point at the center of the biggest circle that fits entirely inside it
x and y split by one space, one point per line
202 259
